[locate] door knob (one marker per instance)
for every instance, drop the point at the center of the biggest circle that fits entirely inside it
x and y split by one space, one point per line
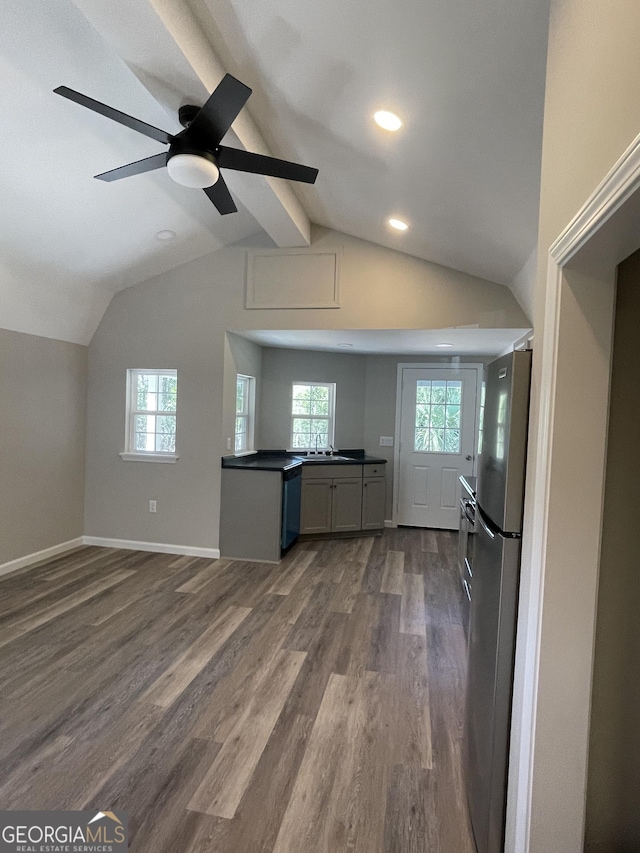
468 457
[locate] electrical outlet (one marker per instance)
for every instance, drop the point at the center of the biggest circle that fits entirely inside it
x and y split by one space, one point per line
228 444
386 441
152 506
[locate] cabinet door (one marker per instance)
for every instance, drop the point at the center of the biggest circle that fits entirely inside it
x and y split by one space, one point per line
315 506
373 502
347 504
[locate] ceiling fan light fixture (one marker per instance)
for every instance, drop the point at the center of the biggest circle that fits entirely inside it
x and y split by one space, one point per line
192 170
387 120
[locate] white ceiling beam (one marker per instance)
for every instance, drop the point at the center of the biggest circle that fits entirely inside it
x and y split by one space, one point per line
166 48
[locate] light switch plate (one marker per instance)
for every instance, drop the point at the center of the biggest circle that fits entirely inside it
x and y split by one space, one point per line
386 441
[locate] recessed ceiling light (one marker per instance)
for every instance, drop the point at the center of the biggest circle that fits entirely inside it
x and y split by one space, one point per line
443 346
387 120
165 236
345 346
398 224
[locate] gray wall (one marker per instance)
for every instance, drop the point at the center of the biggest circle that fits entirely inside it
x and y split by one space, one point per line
42 424
180 320
240 356
282 367
365 392
613 801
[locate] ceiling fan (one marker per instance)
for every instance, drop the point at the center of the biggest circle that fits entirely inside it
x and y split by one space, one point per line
195 156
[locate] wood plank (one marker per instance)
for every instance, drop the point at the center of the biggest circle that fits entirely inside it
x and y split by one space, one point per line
355 653
412 617
229 697
410 808
412 714
184 562
291 607
429 541
347 590
321 662
204 576
325 812
222 788
257 820
185 668
30 622
384 648
68 774
392 580
287 579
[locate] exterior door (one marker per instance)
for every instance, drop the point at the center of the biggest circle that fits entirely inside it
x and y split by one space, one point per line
438 410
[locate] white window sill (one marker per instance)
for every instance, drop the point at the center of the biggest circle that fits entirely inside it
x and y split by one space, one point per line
149 457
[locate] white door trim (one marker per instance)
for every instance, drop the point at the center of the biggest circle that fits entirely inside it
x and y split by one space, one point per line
561 542
426 365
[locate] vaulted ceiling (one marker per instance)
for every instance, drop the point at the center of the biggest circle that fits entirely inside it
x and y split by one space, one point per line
466 77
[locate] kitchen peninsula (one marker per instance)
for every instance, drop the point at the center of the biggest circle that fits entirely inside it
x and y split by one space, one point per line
271 497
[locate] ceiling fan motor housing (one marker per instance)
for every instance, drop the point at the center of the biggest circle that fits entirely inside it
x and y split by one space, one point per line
187 113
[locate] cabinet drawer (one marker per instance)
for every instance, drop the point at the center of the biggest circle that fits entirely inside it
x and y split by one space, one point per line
374 469
325 470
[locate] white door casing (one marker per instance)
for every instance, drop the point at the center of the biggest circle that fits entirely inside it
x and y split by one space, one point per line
437 408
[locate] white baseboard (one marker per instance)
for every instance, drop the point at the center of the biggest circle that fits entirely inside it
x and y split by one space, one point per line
38 556
156 547
389 523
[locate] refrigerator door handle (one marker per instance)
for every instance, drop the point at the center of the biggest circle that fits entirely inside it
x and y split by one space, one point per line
489 533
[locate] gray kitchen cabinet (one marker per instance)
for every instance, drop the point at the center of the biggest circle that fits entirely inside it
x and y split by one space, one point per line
331 499
373 502
346 504
315 507
251 514
334 499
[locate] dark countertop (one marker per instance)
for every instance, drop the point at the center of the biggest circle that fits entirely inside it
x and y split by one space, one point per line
283 460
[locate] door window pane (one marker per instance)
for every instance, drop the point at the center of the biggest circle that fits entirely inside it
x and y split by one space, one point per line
438 414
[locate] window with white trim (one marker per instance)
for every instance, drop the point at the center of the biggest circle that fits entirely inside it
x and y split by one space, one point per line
245 413
312 415
152 397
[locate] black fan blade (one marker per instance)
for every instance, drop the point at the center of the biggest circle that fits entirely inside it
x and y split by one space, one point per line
221 197
115 115
146 165
217 115
245 161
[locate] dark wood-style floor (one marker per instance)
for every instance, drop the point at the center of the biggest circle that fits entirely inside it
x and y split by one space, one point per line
229 707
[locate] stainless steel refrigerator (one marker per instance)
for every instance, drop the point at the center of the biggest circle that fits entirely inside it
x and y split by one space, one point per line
496 575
